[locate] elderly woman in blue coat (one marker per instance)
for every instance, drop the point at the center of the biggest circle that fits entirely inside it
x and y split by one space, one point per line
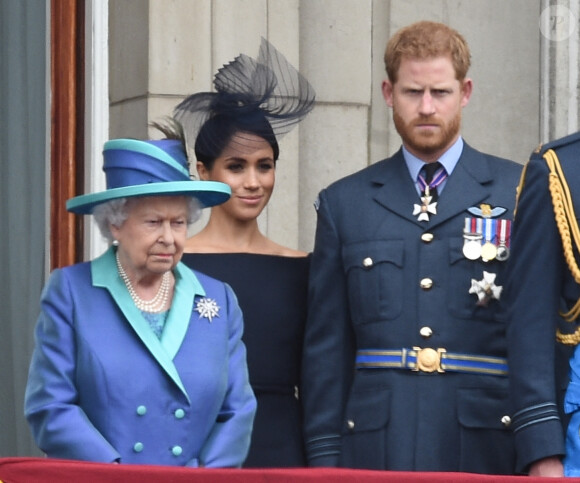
138 359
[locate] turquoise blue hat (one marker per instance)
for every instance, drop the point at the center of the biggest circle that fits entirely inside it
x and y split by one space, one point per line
148 168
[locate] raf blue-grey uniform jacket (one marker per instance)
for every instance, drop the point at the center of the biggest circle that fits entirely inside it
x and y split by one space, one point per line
102 387
378 277
540 284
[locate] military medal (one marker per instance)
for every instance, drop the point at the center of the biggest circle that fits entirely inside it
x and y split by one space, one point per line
489 250
492 235
503 251
425 207
472 246
428 206
472 238
485 289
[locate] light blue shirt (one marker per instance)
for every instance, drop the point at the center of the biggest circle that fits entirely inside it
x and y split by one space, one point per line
449 160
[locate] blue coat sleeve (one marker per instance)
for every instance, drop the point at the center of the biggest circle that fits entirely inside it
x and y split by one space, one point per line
228 443
59 425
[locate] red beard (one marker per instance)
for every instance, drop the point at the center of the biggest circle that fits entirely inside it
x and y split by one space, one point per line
427 141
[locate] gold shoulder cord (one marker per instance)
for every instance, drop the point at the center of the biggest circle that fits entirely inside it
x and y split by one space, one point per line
568 228
520 187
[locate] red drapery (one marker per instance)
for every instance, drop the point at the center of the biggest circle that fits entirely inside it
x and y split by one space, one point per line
36 470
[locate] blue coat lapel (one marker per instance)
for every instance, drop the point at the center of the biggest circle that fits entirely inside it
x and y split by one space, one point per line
104 274
187 287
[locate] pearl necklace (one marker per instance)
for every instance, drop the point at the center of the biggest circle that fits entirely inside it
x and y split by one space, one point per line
157 303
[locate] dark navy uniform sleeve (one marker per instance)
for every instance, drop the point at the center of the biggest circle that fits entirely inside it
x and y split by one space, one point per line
328 352
534 287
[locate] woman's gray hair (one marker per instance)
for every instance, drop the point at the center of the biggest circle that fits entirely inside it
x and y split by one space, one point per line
115 212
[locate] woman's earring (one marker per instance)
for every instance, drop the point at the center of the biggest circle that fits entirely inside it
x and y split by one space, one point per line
115 243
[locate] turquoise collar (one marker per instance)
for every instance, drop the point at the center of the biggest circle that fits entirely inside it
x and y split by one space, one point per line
187 286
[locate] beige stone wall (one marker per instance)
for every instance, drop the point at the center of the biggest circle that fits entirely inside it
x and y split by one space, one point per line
162 50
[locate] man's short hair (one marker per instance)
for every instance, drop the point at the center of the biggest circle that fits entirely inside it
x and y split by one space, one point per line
427 40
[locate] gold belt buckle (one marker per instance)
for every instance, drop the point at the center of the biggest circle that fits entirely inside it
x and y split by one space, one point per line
429 360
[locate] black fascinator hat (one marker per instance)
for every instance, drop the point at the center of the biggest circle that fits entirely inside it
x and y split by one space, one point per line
265 97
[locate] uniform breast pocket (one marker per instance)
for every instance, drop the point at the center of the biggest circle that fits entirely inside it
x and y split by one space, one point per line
374 273
462 272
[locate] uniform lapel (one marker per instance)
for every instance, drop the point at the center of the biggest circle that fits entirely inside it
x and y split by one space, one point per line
464 188
104 274
398 192
467 186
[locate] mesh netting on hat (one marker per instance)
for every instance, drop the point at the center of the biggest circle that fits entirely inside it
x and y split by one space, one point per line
266 97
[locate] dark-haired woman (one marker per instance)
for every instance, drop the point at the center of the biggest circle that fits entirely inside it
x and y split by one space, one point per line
236 143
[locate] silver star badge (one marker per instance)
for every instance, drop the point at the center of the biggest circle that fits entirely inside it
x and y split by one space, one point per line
485 289
425 208
207 308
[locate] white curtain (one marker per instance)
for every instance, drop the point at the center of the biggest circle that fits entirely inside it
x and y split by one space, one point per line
23 205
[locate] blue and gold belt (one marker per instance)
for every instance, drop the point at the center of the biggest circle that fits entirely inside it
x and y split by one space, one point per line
430 360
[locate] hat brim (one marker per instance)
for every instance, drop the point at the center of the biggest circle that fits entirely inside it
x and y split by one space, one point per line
209 193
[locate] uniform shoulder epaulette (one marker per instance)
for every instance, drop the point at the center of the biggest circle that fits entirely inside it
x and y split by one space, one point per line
558 150
558 143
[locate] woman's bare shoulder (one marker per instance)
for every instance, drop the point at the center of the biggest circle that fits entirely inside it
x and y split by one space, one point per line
265 246
198 244
277 249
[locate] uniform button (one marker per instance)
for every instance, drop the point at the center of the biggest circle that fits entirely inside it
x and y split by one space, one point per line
426 283
367 262
138 447
506 421
426 332
427 237
176 450
350 424
179 413
141 410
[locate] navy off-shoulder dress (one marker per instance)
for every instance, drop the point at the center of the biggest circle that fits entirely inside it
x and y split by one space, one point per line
272 293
